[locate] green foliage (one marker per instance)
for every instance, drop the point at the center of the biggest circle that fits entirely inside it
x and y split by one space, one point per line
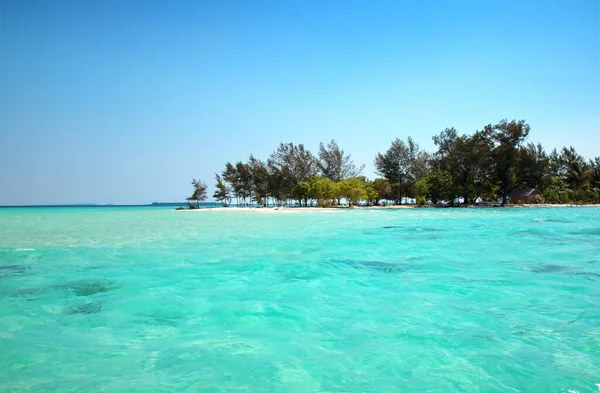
222 192
289 165
326 192
576 172
485 165
199 194
421 188
421 201
507 137
305 191
259 180
335 165
372 196
556 191
440 187
382 188
571 178
539 198
466 159
239 176
595 173
534 163
353 190
401 165
594 195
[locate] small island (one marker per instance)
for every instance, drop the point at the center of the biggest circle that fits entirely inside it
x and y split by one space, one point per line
494 166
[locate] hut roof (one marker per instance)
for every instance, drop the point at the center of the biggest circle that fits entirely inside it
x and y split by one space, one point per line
517 192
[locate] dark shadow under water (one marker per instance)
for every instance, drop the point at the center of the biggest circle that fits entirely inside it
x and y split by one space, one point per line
563 269
13 270
85 308
79 288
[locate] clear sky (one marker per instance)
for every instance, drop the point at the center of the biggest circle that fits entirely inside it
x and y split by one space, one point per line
126 101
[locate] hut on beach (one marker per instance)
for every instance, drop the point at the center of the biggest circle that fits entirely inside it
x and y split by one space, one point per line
524 195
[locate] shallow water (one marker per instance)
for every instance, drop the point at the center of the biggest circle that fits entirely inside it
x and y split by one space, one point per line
150 299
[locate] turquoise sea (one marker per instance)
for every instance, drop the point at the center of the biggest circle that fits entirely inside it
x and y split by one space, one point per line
149 299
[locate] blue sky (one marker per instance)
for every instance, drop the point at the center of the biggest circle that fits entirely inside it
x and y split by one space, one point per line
126 101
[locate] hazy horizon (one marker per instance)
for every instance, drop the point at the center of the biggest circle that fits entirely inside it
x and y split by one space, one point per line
126 102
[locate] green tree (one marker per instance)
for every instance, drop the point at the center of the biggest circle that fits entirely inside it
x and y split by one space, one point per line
312 187
556 191
382 188
326 192
440 187
199 194
353 190
372 196
595 173
466 158
281 183
420 191
594 165
260 177
244 182
335 165
396 165
290 164
304 191
230 176
570 177
508 137
222 192
533 170
576 172
422 165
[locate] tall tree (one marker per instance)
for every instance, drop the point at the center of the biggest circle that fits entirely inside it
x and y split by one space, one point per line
595 173
281 183
199 194
334 164
508 137
244 181
230 175
594 165
465 158
382 190
260 180
422 165
353 190
305 164
222 192
326 192
533 166
576 172
289 165
439 187
396 165
446 143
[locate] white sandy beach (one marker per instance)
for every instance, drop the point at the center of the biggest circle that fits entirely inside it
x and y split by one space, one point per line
272 210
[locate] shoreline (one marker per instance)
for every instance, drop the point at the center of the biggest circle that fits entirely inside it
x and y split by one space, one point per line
281 209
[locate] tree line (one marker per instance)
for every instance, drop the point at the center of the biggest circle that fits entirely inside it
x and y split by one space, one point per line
483 166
